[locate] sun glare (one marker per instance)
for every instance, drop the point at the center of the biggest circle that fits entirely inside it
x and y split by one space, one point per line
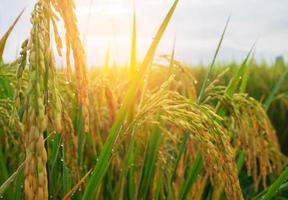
138 120
106 25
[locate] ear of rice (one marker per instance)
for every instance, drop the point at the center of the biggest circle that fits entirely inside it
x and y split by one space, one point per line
35 119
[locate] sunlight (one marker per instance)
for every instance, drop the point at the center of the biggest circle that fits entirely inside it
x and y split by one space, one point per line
100 100
104 8
111 28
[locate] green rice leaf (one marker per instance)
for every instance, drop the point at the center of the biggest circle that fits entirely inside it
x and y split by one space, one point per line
195 169
149 163
5 37
105 154
274 188
275 90
207 76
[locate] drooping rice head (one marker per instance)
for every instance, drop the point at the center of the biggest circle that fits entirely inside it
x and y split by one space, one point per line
35 119
66 10
251 130
205 130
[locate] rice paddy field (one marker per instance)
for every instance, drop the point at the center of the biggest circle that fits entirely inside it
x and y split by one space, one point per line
148 130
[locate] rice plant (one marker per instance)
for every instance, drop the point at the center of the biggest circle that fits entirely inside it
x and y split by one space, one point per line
143 131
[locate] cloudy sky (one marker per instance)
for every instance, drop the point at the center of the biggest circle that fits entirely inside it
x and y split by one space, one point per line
196 25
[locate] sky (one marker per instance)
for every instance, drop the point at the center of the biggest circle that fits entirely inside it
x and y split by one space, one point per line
196 27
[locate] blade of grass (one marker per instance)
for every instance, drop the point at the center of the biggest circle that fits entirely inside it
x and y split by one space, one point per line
6 36
283 187
240 160
274 188
157 194
5 185
6 88
171 64
275 90
130 189
129 158
105 154
181 152
81 136
232 87
133 58
3 168
53 153
244 81
148 169
75 188
191 177
66 180
17 192
207 76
